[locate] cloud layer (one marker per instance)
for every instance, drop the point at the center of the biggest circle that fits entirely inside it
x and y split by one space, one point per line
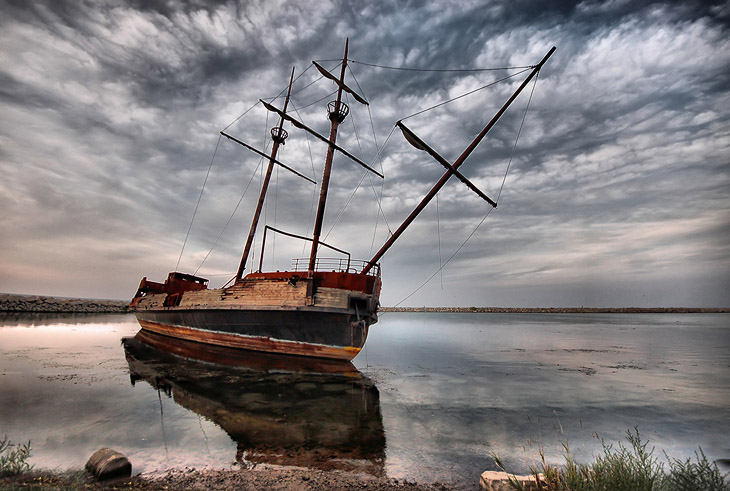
615 193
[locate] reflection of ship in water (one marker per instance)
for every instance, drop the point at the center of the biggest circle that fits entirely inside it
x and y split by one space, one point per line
312 413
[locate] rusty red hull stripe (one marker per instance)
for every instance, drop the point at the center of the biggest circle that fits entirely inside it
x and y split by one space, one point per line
255 343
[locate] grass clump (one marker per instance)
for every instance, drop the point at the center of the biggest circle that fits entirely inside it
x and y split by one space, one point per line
13 457
687 475
625 468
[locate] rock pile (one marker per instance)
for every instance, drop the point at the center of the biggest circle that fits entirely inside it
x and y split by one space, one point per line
28 303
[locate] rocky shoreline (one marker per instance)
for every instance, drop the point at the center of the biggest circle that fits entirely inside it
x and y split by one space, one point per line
33 303
261 477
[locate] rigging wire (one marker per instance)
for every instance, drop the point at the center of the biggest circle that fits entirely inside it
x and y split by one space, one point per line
342 212
306 86
314 174
519 132
379 159
276 207
192 220
421 112
319 100
438 233
225 227
466 94
409 69
200 196
235 209
357 137
448 260
379 199
239 117
359 146
504 179
281 93
378 155
354 128
378 212
261 185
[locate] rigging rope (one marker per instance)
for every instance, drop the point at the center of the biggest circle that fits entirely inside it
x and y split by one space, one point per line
408 69
438 233
276 207
280 94
314 174
378 157
421 112
195 212
261 185
504 179
448 260
242 115
342 212
319 100
192 220
261 160
466 94
380 204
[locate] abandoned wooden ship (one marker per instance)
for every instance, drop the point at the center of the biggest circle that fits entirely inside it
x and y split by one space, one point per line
321 307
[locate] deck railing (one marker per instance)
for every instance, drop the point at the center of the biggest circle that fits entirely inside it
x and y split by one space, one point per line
341 265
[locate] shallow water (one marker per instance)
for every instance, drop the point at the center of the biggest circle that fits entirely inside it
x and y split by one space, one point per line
432 396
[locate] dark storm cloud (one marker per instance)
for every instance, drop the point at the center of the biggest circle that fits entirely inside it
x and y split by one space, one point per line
619 179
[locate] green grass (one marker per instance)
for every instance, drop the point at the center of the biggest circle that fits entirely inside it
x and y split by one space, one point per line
626 468
13 457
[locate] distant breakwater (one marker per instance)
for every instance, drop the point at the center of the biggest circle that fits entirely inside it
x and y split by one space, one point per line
33 303
562 310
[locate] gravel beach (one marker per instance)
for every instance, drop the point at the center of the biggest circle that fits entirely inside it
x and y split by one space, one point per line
260 477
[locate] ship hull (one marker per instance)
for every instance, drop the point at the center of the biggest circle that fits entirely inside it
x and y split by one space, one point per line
333 335
326 315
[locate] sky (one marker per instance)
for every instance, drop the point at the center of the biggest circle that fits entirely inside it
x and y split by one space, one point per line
612 171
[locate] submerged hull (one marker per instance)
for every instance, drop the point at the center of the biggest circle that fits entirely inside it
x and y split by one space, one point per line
326 317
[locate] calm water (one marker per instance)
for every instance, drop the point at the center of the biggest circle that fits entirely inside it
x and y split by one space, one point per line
431 397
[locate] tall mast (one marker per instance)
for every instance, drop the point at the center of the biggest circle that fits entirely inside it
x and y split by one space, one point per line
278 135
452 169
337 113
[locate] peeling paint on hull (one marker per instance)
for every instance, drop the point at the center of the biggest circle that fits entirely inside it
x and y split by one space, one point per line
314 334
